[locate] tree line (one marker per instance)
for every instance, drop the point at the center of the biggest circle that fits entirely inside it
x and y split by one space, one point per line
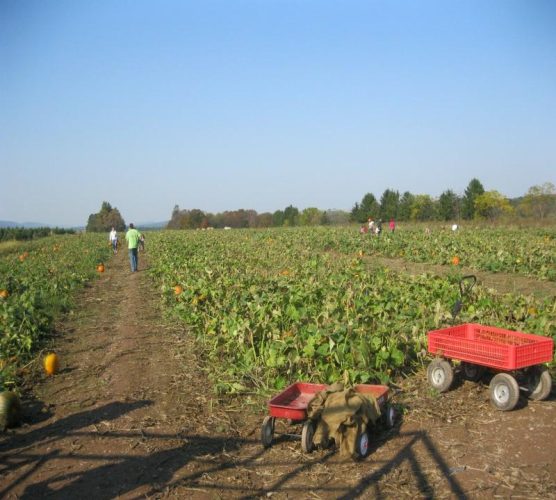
30 233
290 216
475 203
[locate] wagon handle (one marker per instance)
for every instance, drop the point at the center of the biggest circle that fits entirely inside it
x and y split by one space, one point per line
466 283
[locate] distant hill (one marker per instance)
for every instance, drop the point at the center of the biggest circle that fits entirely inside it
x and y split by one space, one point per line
9 223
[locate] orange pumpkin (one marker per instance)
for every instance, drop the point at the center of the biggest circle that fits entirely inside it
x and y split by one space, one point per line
455 260
4 294
178 289
51 363
100 268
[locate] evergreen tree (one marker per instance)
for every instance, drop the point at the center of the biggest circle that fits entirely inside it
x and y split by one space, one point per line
448 205
389 204
474 189
291 216
404 207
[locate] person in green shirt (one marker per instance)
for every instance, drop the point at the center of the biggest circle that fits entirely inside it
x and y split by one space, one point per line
132 237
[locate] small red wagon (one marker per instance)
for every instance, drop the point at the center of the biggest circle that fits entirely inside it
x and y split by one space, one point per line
514 355
291 405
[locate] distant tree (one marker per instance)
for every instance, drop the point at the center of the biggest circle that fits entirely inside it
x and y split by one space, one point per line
355 214
423 208
291 216
448 205
311 216
337 217
278 218
474 189
389 204
173 223
540 201
491 205
404 207
105 219
368 207
265 220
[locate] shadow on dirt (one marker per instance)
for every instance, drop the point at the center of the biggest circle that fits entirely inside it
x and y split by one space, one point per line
166 470
51 433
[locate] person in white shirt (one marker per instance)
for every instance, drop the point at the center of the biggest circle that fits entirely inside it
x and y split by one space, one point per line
114 240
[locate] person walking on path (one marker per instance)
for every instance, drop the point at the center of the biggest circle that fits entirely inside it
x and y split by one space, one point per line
132 237
114 240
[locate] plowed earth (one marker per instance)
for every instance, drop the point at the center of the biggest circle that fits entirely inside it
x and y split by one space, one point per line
132 415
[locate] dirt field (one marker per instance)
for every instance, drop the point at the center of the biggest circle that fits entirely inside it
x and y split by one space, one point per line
132 415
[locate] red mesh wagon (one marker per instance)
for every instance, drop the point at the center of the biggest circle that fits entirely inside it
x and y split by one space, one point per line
479 347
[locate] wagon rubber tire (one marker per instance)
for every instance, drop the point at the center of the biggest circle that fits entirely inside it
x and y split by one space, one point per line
539 383
307 434
362 445
391 416
267 431
472 372
440 374
504 392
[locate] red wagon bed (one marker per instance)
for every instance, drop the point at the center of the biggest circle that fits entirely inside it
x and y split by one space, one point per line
504 351
293 401
490 346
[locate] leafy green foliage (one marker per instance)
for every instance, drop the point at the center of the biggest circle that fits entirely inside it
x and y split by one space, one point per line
270 307
40 286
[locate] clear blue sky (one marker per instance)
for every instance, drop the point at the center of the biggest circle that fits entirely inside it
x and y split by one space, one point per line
264 103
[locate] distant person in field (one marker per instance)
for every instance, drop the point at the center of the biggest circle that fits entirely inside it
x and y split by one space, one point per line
372 226
392 225
142 242
132 237
378 227
113 238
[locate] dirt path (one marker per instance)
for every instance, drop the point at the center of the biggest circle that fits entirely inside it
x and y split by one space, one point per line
132 415
501 282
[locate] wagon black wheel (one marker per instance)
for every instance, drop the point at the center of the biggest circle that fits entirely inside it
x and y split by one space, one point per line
539 383
504 392
391 416
471 371
267 431
440 374
362 444
307 434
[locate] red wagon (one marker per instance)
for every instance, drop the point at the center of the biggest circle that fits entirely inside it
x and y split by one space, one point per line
291 405
514 355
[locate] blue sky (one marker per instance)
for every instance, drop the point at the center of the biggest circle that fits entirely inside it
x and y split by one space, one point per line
260 104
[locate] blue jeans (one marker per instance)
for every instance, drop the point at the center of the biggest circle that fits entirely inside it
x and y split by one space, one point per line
133 260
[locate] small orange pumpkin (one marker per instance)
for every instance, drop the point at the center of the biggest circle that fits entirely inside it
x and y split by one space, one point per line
455 260
178 289
100 268
51 363
4 294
